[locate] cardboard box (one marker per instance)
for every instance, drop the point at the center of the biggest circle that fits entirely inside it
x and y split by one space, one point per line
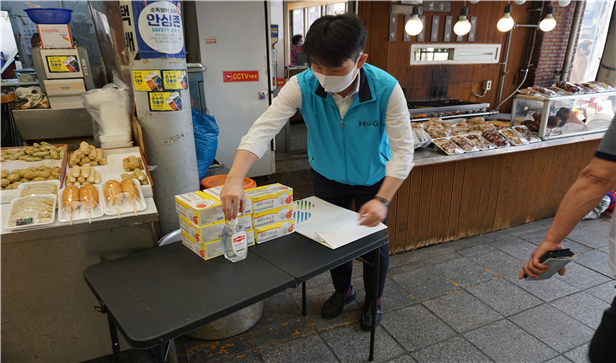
215 192
270 197
212 249
200 208
212 231
55 36
272 216
273 231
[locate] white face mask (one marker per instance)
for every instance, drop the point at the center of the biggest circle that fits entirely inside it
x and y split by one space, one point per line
335 84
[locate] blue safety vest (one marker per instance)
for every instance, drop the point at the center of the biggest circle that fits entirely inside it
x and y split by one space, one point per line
352 150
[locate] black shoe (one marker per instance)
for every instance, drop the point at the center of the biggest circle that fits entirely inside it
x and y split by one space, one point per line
366 316
335 304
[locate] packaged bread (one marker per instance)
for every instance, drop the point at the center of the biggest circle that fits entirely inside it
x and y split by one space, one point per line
480 142
464 143
495 138
448 146
526 133
514 137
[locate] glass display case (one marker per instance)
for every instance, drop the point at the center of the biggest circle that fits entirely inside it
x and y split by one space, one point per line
562 116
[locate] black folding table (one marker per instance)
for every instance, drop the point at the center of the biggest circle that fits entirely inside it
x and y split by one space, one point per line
160 294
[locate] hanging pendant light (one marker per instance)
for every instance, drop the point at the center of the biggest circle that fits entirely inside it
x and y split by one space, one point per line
506 23
463 26
414 26
548 23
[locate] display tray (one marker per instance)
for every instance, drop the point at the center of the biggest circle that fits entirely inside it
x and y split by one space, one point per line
114 168
126 207
81 213
35 224
6 196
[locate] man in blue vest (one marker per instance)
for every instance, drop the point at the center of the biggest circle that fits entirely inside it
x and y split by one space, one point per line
360 144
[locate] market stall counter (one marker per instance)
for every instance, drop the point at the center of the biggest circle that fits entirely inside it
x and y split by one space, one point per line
453 194
47 310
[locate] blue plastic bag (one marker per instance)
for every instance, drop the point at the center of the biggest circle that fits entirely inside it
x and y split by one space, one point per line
206 140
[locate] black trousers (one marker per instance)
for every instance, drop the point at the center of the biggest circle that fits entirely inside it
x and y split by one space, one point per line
343 196
603 344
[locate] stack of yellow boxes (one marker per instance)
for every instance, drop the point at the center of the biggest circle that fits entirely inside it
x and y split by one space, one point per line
272 211
202 222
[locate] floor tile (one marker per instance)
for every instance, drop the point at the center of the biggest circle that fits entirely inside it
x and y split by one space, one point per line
546 290
307 350
605 292
535 237
280 323
456 349
351 344
605 249
579 355
559 359
505 342
505 241
314 307
553 327
582 307
394 297
595 260
403 359
475 250
416 327
209 351
581 277
438 258
464 272
424 283
467 243
462 311
503 296
280 298
497 261
595 235
521 250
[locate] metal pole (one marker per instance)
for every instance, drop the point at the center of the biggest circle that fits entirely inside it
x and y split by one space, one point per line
502 81
607 70
575 24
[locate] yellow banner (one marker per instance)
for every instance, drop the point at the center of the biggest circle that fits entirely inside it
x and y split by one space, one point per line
65 63
146 81
175 80
165 101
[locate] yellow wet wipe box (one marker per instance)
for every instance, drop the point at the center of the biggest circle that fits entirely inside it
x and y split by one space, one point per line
201 208
211 249
215 192
212 231
270 197
272 231
272 216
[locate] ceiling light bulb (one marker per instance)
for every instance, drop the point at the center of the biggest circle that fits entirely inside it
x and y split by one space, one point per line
506 23
519 2
473 1
414 26
564 3
462 26
548 23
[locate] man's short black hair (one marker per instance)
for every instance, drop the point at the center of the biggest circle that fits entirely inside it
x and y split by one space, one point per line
331 40
296 38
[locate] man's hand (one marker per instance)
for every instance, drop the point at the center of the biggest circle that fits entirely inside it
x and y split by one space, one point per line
372 213
533 268
233 199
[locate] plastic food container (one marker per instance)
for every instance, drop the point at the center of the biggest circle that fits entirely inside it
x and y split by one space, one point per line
28 217
81 213
126 207
49 15
448 146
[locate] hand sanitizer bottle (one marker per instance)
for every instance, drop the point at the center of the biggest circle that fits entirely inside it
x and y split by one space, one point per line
233 240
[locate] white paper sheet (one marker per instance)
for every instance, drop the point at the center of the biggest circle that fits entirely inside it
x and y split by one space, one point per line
329 224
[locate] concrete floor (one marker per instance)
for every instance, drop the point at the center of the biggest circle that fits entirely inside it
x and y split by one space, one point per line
459 301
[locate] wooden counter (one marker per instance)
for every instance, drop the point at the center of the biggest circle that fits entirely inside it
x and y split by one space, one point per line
446 198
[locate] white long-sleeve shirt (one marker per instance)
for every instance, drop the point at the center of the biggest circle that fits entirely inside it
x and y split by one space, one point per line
289 100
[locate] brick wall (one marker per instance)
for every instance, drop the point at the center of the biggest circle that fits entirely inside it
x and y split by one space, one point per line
551 47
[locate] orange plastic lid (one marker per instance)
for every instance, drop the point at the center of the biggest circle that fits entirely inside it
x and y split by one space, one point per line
216 180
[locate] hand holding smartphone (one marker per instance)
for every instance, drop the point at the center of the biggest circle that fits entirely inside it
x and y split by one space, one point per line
556 260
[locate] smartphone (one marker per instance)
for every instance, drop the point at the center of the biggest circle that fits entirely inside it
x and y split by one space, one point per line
556 259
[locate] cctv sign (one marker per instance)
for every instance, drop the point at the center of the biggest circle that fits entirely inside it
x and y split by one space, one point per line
240 76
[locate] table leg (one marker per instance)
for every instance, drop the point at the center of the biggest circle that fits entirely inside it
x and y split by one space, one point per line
161 351
304 313
374 298
115 344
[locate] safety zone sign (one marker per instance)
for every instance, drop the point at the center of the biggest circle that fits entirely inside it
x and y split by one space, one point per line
240 76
